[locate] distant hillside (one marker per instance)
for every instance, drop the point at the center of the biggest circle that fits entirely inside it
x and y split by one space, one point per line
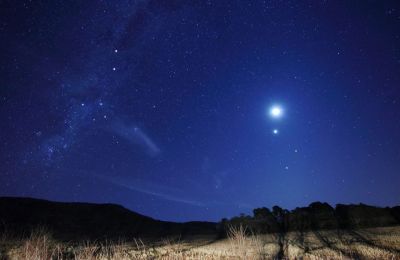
72 221
317 216
81 221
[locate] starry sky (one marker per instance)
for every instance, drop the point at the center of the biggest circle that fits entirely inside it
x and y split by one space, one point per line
199 110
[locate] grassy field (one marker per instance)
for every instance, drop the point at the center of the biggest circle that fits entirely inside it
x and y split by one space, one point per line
374 243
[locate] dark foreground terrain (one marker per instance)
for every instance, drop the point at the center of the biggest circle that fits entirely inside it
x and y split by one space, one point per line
39 229
88 221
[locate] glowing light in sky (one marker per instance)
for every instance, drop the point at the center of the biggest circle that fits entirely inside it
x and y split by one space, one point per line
276 111
275 131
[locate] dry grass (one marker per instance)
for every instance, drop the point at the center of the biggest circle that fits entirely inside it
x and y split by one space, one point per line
243 245
39 245
376 243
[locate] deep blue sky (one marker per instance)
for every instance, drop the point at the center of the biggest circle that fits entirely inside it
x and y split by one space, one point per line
162 106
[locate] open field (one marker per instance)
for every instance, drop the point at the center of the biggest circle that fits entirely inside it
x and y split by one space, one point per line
373 243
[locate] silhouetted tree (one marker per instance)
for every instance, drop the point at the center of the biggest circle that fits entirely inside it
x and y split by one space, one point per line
278 213
261 213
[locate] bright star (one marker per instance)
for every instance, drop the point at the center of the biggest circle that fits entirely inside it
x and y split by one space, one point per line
276 111
275 131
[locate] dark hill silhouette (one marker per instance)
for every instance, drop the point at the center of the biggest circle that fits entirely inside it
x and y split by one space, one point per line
80 221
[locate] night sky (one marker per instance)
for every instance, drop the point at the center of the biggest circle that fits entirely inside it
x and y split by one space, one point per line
199 111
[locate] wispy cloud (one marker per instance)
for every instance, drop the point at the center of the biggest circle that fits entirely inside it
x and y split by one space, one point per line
135 135
162 192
